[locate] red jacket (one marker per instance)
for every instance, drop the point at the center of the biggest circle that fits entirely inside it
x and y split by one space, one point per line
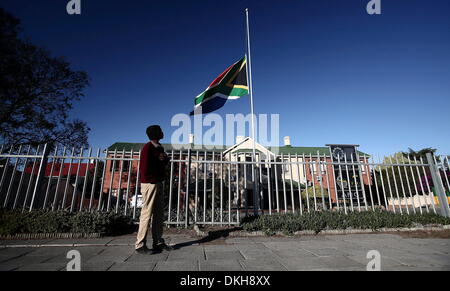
152 169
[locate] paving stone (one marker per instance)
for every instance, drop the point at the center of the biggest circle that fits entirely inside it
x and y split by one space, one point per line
59 254
337 252
325 252
303 263
336 262
293 253
239 240
114 254
257 253
422 260
10 266
265 264
118 250
302 238
279 246
43 267
22 261
190 253
382 244
250 246
220 248
432 249
127 240
386 262
354 252
135 257
183 240
133 266
220 265
11 253
326 244
427 241
178 265
50 251
223 255
28 260
407 268
262 239
96 266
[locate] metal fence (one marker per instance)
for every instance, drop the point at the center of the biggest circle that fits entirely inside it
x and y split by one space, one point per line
213 187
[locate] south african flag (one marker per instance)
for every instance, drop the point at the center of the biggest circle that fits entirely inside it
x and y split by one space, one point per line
231 84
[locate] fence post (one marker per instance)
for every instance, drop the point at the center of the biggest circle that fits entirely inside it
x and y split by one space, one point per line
5 169
188 181
256 205
40 175
438 186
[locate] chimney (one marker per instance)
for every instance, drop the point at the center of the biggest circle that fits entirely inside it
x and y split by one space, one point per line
287 141
191 138
239 138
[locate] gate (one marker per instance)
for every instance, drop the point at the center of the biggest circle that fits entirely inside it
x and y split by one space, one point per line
217 188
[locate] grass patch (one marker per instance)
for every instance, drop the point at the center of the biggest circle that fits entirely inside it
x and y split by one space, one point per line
326 220
40 221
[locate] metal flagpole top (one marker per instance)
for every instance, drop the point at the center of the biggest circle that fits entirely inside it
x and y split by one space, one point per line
250 81
253 134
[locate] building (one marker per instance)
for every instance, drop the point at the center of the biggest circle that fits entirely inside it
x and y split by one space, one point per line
62 169
297 167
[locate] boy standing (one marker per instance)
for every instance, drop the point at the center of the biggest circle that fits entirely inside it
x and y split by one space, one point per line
152 169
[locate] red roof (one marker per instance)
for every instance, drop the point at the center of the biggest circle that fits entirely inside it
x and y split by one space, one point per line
65 169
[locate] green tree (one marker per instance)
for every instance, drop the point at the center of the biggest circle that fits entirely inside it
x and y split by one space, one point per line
396 177
419 154
37 91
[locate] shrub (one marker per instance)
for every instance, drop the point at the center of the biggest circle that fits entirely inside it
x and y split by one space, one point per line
309 194
325 220
40 221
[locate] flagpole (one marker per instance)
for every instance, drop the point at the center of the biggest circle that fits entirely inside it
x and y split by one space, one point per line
252 110
250 82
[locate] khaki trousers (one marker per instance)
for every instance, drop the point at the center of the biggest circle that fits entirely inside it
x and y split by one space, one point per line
152 207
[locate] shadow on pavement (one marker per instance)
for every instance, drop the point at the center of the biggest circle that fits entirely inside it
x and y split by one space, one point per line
212 235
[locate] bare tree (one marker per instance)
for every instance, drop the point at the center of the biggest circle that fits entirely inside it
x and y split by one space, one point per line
37 92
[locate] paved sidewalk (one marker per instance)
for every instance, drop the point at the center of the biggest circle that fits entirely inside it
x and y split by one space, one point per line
340 252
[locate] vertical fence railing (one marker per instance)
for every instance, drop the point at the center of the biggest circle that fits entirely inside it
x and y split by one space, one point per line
212 187
439 174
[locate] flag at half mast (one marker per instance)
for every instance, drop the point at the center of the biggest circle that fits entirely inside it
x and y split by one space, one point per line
231 84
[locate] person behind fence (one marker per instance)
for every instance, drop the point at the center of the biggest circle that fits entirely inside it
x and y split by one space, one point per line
152 173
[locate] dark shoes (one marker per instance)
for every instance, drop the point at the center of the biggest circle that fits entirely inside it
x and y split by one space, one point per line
162 246
157 248
143 250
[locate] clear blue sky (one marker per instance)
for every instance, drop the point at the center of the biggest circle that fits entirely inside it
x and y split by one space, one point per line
332 72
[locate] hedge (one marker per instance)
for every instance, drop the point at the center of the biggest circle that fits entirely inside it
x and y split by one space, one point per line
40 221
326 220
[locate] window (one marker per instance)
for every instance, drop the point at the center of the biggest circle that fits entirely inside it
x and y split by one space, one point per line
323 168
117 164
313 169
286 165
126 166
113 163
